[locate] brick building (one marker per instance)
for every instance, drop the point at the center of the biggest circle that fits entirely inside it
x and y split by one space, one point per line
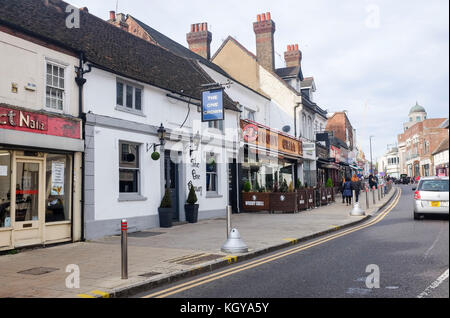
416 146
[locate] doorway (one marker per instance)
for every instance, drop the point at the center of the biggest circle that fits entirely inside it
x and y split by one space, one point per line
28 197
171 169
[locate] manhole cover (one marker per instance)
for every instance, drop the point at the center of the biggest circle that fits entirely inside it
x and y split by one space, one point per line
38 271
144 234
150 274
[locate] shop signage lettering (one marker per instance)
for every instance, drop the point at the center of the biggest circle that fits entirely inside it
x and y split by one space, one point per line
195 165
15 119
212 105
265 138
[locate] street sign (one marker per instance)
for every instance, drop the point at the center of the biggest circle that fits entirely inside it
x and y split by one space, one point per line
212 105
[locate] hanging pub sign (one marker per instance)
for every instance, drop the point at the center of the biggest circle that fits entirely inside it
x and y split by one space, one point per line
212 105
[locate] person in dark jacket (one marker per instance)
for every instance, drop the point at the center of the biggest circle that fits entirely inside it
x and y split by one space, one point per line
347 193
372 182
341 186
356 186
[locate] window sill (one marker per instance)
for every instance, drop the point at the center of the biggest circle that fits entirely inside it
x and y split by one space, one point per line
213 196
130 111
127 197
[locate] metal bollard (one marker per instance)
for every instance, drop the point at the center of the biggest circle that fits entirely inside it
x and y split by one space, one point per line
124 237
379 193
354 196
229 211
373 195
367 198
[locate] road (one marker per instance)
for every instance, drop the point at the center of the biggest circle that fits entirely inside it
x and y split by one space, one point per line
411 257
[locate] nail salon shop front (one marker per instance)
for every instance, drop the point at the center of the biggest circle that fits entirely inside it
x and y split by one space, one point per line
40 179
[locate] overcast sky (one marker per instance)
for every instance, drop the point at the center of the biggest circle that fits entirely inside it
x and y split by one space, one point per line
373 58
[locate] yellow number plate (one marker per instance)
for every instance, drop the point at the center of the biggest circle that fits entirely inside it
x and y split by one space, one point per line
435 204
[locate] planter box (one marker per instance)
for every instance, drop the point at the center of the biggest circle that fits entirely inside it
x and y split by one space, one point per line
323 196
191 212
311 198
302 200
329 195
283 202
255 201
165 217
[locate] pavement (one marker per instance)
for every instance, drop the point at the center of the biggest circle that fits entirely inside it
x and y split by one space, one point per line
161 256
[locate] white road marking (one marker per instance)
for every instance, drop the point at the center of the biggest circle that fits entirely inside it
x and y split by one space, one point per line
434 244
435 285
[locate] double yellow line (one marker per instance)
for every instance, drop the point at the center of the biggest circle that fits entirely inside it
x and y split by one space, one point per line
203 280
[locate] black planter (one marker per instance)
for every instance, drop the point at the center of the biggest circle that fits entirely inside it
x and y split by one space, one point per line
165 217
191 211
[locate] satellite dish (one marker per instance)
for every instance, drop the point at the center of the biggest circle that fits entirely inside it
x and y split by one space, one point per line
286 128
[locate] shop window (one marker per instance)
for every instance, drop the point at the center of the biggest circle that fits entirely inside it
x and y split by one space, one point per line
54 97
58 188
5 189
129 172
211 174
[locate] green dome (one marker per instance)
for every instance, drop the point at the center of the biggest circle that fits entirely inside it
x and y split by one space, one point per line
417 109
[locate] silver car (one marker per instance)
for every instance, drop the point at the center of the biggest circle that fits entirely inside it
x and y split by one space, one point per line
431 196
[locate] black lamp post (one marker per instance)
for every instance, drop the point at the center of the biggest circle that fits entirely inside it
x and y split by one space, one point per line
196 142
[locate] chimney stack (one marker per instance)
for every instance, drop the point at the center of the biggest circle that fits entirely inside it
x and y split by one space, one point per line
199 40
264 29
118 20
293 56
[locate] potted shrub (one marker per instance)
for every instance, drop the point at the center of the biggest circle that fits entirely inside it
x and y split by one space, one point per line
329 188
191 208
165 210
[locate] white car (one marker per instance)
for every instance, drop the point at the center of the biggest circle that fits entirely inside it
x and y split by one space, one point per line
431 196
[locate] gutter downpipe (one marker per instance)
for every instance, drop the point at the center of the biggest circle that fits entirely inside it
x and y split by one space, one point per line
295 135
80 80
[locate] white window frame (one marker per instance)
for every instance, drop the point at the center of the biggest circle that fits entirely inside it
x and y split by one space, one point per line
131 196
65 94
125 108
216 192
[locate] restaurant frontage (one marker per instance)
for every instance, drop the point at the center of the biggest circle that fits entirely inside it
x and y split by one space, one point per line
269 165
40 178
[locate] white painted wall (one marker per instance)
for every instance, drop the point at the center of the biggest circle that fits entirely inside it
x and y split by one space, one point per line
24 62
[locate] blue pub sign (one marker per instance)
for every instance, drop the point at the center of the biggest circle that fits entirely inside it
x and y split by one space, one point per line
212 105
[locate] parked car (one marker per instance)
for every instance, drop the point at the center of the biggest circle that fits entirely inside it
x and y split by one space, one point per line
431 196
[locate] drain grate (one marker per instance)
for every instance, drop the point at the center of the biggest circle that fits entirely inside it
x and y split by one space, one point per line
195 259
38 271
150 274
144 234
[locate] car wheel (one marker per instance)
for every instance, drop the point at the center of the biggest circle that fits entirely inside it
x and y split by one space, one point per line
416 216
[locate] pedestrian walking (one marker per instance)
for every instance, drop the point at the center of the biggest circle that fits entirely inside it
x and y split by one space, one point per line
372 182
356 186
347 193
341 186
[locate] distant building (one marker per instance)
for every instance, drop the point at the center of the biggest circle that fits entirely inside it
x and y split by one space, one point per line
440 158
421 135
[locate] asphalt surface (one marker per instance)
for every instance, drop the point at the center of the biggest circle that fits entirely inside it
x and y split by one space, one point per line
412 258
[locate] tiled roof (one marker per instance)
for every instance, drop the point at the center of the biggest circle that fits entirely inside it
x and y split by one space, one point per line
293 71
107 46
442 147
307 82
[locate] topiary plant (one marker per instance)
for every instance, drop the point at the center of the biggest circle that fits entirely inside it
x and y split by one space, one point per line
166 202
284 187
298 184
329 183
291 187
247 186
192 197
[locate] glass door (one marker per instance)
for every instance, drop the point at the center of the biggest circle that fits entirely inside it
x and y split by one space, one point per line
28 207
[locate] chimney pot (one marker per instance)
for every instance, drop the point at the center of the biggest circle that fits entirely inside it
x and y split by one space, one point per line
112 15
206 26
258 18
268 16
192 28
296 47
196 28
263 17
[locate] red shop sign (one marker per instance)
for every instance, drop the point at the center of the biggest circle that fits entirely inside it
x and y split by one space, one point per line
14 119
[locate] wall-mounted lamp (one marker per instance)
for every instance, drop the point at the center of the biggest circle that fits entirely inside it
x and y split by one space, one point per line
162 136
